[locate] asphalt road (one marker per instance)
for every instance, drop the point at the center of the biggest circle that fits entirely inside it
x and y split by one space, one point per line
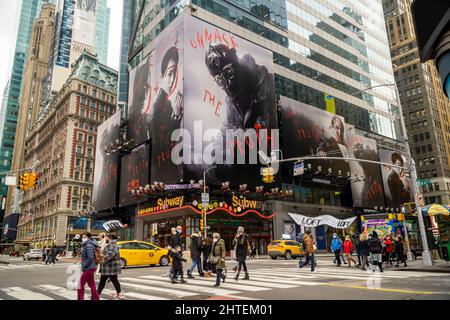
275 280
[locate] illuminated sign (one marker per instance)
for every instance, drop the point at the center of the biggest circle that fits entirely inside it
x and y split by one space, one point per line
245 203
162 204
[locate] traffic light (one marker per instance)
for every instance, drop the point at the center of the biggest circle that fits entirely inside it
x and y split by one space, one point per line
32 180
201 224
24 181
268 175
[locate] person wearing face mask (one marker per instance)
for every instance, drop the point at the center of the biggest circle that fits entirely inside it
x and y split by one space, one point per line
217 258
175 241
241 244
111 268
88 267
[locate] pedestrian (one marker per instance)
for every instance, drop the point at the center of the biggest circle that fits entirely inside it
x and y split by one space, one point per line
336 247
399 251
309 251
217 258
102 243
111 268
54 255
388 250
242 245
206 251
88 266
364 250
174 242
355 240
253 251
376 249
341 253
177 264
44 255
49 256
348 251
196 255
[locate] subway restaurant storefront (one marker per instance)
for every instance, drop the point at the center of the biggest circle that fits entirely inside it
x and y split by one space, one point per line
155 220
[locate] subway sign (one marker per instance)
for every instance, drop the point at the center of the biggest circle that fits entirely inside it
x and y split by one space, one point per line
161 205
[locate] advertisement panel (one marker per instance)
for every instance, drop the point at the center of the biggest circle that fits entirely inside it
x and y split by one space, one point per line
139 96
229 85
134 173
367 188
308 130
105 173
396 181
84 21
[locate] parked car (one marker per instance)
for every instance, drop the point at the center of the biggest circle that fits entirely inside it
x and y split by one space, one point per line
288 249
33 254
140 253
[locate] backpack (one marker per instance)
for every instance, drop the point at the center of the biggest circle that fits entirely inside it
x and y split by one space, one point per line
99 257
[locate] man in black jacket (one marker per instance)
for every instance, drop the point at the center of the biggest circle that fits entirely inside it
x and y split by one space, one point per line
376 249
196 255
175 241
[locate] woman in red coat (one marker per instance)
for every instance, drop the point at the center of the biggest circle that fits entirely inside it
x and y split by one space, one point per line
389 248
348 251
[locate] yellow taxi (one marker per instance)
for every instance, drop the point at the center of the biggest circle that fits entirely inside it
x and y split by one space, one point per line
140 253
288 249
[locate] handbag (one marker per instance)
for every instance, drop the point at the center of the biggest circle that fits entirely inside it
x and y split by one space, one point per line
213 260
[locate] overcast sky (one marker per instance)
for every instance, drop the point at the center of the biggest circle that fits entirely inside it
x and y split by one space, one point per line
9 16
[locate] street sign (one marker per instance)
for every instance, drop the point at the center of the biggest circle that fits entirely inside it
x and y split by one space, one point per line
423 182
11 181
205 197
299 169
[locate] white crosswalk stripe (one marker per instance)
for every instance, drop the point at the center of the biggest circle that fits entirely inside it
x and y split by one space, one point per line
129 295
59 291
174 292
25 294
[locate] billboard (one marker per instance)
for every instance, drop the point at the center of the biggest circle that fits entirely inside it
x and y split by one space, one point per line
105 173
308 130
367 187
396 181
84 22
139 101
198 82
229 85
134 173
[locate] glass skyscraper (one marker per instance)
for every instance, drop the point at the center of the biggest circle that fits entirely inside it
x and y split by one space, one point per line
29 11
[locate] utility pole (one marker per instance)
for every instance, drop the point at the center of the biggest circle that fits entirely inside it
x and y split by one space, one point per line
205 208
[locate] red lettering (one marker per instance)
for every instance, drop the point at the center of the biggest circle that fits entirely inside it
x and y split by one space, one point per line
193 44
235 45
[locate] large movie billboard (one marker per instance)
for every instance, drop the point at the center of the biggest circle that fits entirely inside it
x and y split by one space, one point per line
134 173
367 185
308 130
198 82
396 181
84 22
229 85
105 173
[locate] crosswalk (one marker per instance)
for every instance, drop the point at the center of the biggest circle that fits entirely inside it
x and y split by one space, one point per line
158 286
12 267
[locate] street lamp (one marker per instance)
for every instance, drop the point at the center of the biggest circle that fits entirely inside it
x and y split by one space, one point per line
204 192
426 256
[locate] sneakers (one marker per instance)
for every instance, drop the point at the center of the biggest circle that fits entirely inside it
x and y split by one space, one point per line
119 296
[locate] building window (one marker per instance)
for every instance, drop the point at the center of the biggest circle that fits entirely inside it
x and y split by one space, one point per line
94 93
89 151
436 186
77 175
83 101
80 137
79 149
90 139
82 113
84 89
78 162
74 204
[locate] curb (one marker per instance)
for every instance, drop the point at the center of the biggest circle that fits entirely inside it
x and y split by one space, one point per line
426 270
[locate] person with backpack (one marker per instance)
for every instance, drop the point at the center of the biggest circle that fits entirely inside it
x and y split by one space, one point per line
196 255
90 257
376 250
206 251
111 268
217 258
348 251
242 245
309 246
336 248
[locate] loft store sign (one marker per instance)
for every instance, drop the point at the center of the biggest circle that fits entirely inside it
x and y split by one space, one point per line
162 204
322 220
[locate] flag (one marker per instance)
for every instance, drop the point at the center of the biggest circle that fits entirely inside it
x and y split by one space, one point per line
330 103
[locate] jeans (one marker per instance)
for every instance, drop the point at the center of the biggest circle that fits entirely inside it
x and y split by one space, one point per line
219 276
365 261
88 277
337 255
242 264
309 258
198 263
114 280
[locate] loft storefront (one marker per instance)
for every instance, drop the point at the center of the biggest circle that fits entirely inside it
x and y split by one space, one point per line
154 221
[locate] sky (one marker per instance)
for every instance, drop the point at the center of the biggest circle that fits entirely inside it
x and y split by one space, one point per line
9 20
